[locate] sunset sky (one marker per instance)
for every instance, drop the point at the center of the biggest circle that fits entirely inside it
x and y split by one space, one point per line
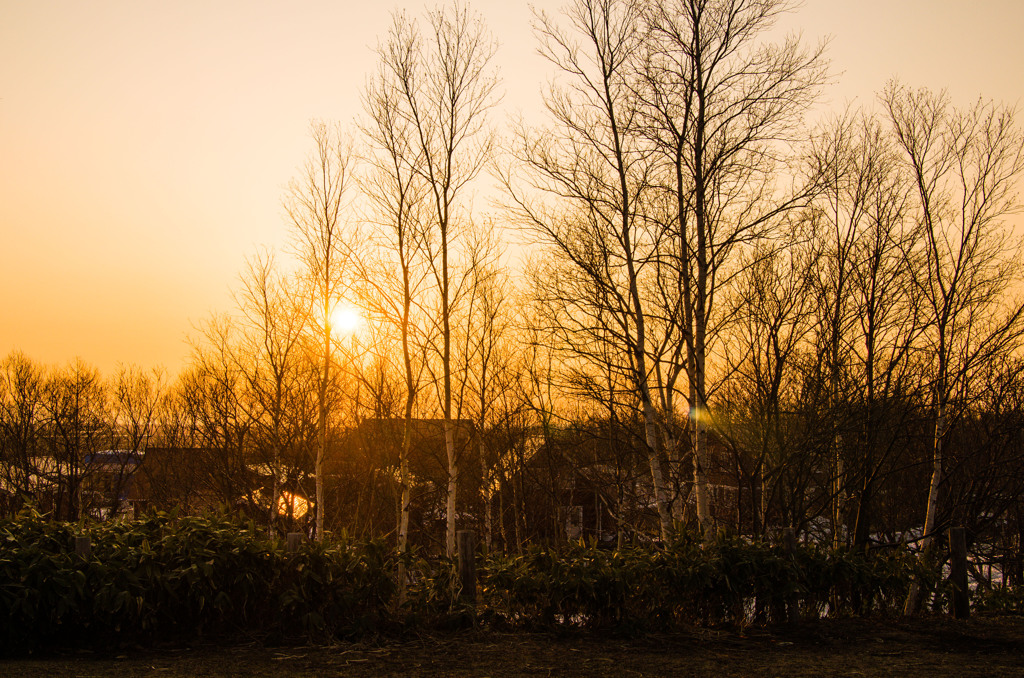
145 146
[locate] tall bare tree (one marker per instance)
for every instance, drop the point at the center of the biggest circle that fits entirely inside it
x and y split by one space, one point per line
722 109
868 305
485 353
444 78
965 165
773 318
585 196
398 194
316 205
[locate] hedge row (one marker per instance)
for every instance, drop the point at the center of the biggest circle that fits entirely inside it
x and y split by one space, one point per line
729 581
169 579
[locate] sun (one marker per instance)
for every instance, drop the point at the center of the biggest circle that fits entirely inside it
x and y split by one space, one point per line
346 320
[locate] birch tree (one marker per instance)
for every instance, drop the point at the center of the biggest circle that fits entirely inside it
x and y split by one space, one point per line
584 196
394 274
964 164
316 206
722 109
445 82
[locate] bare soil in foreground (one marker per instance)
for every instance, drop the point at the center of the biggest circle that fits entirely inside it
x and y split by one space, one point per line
928 646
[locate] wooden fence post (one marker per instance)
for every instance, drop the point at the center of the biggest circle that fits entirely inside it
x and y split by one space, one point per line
958 572
466 540
83 547
294 540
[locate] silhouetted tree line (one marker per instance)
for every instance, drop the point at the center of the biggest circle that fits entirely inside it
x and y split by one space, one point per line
722 319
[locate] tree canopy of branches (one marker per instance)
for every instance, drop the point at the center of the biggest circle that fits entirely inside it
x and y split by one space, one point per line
726 319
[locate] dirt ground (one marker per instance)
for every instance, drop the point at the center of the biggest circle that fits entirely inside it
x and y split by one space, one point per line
982 646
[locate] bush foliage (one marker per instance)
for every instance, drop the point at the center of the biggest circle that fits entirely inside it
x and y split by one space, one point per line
174 579
729 581
171 580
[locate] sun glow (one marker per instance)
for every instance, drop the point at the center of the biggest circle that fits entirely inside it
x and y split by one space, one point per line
346 320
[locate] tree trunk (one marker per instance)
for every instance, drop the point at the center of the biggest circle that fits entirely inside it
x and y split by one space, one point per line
453 486
321 436
406 500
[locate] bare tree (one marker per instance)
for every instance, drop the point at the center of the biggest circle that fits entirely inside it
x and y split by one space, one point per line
965 164
592 173
21 416
485 353
316 206
274 314
445 83
136 397
213 397
398 194
773 320
75 402
868 306
721 109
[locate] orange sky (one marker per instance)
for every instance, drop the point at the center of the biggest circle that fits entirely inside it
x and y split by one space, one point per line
145 145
